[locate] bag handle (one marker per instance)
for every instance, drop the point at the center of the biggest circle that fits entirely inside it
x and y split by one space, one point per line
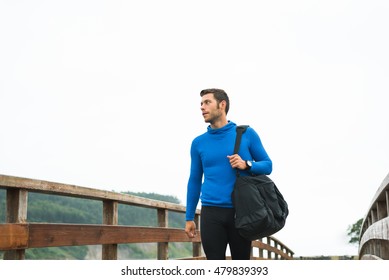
240 129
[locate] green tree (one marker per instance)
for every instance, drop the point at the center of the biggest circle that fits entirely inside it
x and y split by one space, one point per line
354 232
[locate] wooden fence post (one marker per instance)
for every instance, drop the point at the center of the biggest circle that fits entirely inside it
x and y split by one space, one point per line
387 202
16 213
163 247
260 253
276 255
197 245
268 241
110 217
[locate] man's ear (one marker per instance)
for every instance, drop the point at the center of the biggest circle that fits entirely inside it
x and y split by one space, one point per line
223 105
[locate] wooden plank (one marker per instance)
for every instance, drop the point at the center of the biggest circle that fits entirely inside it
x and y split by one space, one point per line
83 192
54 235
13 236
17 206
110 217
110 212
381 210
379 230
261 245
17 201
387 202
199 258
163 247
370 257
196 246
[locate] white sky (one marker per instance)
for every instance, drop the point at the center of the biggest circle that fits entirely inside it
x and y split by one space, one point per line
105 94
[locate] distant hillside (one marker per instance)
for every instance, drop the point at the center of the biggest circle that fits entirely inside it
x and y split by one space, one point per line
59 209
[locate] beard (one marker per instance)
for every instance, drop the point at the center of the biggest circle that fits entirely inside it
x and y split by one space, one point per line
211 118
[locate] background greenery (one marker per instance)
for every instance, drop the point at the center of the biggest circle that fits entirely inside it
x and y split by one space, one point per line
60 209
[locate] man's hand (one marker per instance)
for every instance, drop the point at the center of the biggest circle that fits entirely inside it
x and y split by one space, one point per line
190 229
237 162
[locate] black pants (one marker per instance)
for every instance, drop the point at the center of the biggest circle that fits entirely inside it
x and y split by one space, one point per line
217 230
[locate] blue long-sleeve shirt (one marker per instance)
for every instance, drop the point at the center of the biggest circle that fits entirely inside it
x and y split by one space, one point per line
211 177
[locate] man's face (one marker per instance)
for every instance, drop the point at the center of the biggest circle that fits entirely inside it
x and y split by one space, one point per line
210 108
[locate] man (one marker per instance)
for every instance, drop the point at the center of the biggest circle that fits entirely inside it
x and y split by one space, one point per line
212 177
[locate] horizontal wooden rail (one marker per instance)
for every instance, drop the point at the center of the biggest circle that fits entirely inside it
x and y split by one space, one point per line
18 234
40 235
13 236
33 235
40 186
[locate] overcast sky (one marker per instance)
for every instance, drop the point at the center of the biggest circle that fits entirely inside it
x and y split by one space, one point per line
105 94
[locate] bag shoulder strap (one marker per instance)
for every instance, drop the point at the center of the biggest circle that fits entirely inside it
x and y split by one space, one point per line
240 129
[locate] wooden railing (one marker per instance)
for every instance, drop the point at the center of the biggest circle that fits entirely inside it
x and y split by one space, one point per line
374 237
18 234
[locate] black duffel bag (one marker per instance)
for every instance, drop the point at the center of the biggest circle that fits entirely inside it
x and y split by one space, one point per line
260 208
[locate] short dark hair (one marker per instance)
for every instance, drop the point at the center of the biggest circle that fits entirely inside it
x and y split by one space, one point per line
219 95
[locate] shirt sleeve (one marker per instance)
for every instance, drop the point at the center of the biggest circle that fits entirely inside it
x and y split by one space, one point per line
194 183
262 163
